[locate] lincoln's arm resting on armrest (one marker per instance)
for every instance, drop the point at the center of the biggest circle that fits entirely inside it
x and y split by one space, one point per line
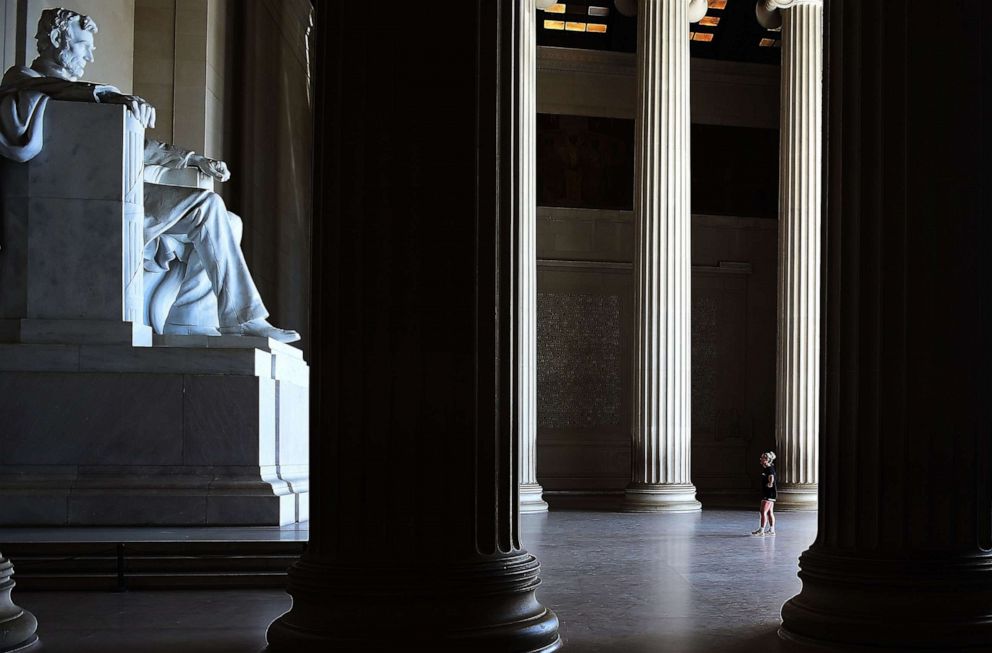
173 156
22 78
166 155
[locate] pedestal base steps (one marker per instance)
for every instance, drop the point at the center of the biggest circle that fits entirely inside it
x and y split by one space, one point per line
195 430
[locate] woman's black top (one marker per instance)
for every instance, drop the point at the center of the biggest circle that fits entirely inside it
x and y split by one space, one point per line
769 492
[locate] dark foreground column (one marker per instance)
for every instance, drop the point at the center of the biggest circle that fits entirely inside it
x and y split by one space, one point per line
902 557
414 542
17 625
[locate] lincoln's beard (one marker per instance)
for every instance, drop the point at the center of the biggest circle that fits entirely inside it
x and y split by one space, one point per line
73 65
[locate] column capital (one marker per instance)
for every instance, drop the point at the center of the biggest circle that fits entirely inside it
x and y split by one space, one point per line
697 8
768 11
772 5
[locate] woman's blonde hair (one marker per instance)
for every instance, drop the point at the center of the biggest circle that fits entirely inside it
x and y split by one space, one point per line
770 455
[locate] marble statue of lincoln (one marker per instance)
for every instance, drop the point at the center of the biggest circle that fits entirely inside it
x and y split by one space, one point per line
186 229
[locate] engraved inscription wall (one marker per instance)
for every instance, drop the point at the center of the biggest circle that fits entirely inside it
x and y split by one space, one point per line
705 362
579 360
719 363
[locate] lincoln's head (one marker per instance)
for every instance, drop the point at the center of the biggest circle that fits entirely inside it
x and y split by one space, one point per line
65 39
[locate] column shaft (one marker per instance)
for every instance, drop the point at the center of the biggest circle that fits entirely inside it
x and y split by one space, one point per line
662 267
530 490
414 542
903 553
798 388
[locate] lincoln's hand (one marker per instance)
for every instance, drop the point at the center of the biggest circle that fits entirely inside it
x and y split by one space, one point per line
141 109
211 167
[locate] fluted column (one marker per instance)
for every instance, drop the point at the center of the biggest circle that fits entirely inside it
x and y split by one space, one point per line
17 626
414 542
662 427
797 396
903 554
530 490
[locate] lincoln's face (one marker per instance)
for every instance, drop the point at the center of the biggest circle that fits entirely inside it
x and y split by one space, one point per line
75 49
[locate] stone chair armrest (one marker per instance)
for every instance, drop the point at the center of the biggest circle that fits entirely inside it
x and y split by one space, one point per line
186 177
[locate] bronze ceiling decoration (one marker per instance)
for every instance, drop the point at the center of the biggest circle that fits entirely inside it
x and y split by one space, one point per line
729 31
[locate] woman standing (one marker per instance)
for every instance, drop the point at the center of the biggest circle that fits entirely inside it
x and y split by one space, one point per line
769 492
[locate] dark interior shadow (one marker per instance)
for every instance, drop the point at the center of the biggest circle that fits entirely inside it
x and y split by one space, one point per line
195 643
752 641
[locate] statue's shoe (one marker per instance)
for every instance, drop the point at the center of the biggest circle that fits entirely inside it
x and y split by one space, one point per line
188 330
262 329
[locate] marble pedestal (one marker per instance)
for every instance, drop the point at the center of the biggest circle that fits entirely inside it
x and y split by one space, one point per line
100 423
191 431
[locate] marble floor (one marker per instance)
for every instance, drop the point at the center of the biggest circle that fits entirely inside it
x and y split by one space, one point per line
629 583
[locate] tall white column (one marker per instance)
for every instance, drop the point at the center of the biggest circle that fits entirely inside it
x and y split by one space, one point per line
530 489
662 426
798 363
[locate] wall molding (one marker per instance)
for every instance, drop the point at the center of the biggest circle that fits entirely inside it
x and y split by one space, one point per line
599 83
624 64
572 264
724 267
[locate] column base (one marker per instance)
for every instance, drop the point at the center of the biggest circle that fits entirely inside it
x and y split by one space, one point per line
796 496
532 498
934 604
17 626
660 497
8 631
487 606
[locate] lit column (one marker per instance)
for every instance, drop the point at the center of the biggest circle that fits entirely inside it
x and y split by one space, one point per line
797 393
17 626
903 550
530 489
662 426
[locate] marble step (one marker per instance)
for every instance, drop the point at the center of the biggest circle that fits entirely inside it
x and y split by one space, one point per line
151 565
269 359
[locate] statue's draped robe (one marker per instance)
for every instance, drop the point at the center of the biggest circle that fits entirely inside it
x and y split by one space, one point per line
21 128
24 93
190 237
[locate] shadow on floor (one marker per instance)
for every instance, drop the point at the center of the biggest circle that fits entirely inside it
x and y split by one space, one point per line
767 641
224 641
218 643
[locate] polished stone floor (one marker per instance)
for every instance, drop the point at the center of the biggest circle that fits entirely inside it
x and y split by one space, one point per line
629 583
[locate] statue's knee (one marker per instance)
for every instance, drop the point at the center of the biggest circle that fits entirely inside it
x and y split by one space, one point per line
237 226
212 209
215 203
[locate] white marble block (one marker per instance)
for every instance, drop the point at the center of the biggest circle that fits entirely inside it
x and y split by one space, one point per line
192 431
71 264
101 425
